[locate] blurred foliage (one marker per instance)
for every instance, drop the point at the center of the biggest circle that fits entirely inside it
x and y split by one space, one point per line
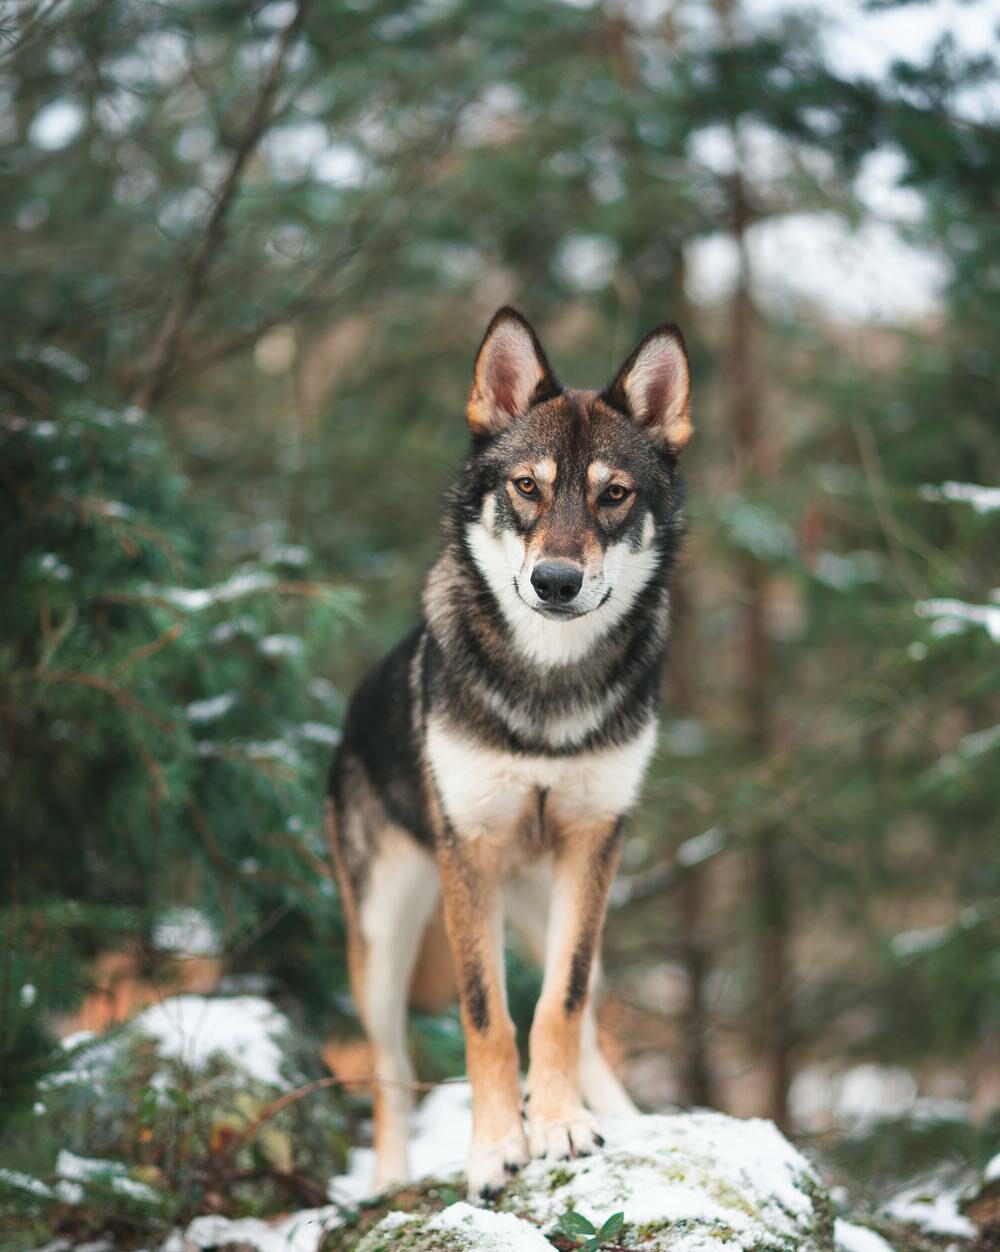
135 1140
247 252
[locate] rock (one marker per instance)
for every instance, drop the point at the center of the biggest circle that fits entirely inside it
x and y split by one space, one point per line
454 1229
694 1182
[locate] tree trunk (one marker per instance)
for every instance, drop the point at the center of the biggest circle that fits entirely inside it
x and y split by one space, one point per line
772 922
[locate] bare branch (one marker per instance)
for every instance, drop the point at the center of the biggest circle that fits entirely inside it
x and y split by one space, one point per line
192 287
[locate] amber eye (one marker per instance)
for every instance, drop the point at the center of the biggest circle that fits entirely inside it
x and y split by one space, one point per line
526 486
615 494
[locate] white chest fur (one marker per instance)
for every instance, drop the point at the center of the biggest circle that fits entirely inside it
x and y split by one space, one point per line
486 792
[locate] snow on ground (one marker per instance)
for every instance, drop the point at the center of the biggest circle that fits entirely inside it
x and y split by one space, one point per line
442 1128
933 1210
992 1171
848 1237
707 1175
704 1175
300 1232
248 1030
459 1225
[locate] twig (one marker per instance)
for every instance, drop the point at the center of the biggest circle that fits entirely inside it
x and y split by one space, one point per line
41 13
168 337
109 688
871 463
148 649
311 1192
28 390
53 637
323 1084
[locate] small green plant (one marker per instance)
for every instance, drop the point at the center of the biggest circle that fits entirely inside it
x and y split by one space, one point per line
582 1231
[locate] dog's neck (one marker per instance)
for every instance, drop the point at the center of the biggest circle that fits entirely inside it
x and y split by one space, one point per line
546 685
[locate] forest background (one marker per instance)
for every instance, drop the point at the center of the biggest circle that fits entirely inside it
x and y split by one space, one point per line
247 254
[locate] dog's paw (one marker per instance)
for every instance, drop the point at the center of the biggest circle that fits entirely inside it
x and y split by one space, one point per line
491 1166
555 1138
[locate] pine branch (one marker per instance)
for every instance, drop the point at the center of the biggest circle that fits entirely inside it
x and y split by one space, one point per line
103 684
148 649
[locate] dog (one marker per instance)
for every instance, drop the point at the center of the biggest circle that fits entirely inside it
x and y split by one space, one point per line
488 761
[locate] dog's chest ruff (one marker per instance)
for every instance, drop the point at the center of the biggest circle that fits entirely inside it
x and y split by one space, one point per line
485 791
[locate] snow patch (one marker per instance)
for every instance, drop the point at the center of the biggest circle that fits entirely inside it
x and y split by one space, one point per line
848 1237
24 1182
481 1228
853 1100
74 1171
212 708
247 1030
992 1171
285 554
244 625
299 1232
687 1177
950 617
934 1212
982 499
320 732
281 645
186 931
244 582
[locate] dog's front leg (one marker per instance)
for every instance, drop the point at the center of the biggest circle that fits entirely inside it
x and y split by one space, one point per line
473 909
584 865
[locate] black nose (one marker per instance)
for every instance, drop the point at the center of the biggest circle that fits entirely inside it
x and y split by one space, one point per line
556 582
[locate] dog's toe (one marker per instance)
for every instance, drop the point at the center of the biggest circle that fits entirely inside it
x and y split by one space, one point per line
562 1137
491 1166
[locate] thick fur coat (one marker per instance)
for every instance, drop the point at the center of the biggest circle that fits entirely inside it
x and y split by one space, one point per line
489 760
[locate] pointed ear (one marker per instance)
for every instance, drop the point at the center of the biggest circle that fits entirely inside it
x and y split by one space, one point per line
511 374
653 388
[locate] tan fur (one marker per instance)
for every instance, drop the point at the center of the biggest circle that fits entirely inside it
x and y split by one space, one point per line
530 691
355 940
585 861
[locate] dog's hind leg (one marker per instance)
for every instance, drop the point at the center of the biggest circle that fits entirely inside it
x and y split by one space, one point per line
603 1092
387 909
527 900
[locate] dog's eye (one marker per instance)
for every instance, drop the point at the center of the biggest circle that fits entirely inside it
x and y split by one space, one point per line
615 494
526 486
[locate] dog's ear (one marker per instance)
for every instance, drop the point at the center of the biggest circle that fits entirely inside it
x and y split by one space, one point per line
653 388
511 374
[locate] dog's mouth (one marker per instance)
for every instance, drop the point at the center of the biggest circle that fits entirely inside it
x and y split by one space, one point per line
561 612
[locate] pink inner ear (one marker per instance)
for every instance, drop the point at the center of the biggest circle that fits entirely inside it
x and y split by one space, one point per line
656 386
501 381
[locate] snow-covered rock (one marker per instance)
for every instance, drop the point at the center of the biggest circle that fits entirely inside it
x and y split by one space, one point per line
694 1182
459 1227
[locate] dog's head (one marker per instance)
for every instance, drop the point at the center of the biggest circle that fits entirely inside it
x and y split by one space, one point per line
572 498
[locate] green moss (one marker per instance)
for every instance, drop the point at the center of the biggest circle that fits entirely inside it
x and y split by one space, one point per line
821 1227
421 1199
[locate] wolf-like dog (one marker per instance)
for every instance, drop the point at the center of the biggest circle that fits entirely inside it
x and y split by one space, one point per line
488 761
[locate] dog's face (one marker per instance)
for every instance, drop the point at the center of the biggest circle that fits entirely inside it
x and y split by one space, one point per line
574 494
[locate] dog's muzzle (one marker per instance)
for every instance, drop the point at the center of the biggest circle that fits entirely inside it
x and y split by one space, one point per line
557 583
